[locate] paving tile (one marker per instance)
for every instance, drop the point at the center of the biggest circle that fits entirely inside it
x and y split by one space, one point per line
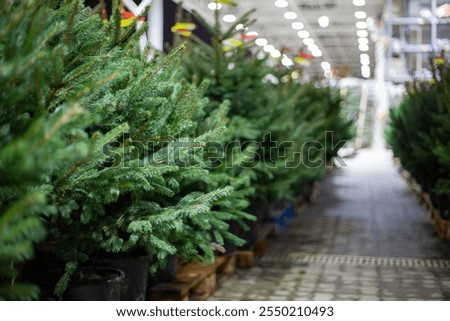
365 209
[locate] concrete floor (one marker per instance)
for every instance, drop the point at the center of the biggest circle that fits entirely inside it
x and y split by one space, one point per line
365 238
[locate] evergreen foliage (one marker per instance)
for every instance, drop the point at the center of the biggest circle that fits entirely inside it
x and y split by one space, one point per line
114 180
34 143
419 131
103 150
276 129
279 118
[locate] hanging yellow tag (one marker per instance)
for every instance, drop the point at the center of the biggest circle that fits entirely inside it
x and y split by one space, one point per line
301 61
183 28
127 22
231 42
439 61
227 3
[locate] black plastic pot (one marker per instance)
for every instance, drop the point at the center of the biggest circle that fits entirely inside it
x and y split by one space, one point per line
166 274
258 208
276 208
230 247
96 284
135 268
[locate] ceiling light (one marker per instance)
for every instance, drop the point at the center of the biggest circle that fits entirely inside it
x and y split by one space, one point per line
252 34
363 47
281 3
214 6
325 65
275 53
308 41
268 48
317 53
286 61
362 33
360 15
359 3
323 21
361 25
363 41
303 34
365 71
290 15
313 47
297 25
261 42
229 18
371 23
364 59
425 13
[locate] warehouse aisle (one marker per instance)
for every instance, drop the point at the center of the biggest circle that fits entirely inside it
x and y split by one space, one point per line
364 238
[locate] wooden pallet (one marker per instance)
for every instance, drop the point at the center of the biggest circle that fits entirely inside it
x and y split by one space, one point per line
441 225
194 280
299 204
315 191
246 259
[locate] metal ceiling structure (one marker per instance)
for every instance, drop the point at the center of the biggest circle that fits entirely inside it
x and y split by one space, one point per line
337 44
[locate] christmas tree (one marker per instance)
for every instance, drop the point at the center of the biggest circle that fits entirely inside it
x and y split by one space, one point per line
274 120
121 188
34 143
418 134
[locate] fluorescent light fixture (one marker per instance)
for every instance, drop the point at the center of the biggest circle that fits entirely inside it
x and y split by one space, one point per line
363 41
275 53
297 25
323 21
361 25
325 65
363 47
261 42
281 3
229 18
303 34
360 15
313 47
359 3
308 41
317 53
362 33
286 61
268 48
425 13
214 6
290 15
365 71
252 34
365 59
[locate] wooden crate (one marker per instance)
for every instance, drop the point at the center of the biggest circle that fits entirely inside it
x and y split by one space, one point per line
246 259
442 225
315 191
299 203
194 281
229 266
